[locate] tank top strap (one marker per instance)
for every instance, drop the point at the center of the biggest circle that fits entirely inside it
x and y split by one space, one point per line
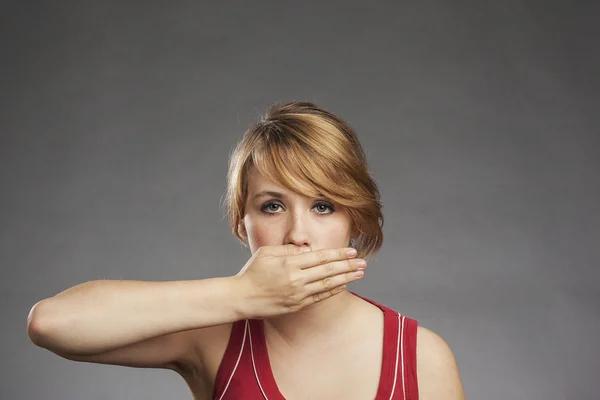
238 341
399 381
381 306
409 353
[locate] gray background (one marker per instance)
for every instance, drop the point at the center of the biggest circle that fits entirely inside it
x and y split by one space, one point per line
480 121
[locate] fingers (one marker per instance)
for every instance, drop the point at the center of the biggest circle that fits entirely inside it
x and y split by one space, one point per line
313 258
285 250
330 286
333 282
331 269
317 297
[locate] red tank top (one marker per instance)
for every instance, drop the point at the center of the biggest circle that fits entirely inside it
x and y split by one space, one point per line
245 371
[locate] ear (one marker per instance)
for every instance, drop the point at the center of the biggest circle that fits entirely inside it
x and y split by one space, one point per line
242 230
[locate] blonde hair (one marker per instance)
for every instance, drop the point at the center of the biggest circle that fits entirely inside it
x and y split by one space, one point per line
299 141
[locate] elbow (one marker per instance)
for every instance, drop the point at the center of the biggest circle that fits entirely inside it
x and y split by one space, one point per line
38 328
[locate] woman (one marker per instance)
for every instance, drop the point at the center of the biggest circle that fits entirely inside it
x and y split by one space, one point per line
284 327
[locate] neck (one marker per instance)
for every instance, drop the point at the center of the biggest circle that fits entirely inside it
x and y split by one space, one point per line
318 321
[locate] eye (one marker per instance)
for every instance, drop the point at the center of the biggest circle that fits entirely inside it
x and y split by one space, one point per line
273 207
324 207
268 207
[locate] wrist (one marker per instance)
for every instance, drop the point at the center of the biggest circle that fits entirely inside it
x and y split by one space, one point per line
240 298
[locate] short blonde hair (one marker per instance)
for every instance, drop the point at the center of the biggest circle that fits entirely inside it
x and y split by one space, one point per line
300 141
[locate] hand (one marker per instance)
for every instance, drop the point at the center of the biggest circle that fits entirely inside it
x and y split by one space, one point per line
283 279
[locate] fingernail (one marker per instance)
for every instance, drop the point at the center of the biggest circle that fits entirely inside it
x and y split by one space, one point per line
305 249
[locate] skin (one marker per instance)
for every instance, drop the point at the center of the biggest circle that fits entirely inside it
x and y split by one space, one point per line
343 332
291 217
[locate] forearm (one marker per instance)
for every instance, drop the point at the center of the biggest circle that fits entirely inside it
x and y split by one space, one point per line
103 315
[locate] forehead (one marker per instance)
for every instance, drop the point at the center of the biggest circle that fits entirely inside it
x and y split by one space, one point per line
258 182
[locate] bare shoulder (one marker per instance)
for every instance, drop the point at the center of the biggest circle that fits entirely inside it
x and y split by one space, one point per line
437 371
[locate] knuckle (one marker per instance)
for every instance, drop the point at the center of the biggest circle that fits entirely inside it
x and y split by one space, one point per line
293 284
292 279
321 256
329 269
327 283
296 299
315 297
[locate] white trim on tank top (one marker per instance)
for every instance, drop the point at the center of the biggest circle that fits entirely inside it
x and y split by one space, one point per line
254 366
237 362
399 352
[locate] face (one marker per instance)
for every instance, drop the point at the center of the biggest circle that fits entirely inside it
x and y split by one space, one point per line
279 216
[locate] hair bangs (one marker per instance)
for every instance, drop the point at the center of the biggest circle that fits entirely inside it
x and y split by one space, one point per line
288 166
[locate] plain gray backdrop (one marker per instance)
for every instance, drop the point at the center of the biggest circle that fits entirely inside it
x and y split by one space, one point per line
479 119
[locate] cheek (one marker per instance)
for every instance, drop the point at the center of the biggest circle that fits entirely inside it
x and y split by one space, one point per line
336 236
262 232
261 237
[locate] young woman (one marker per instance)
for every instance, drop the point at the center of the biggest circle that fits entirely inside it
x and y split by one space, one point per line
284 327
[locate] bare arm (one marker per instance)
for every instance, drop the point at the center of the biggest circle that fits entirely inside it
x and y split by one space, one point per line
100 316
438 376
169 324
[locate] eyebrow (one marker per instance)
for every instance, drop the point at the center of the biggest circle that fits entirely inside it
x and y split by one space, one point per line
269 193
277 195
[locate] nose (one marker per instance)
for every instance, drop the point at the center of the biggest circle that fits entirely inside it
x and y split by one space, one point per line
297 230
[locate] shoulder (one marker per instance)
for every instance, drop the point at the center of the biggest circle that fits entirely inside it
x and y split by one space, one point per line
437 371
